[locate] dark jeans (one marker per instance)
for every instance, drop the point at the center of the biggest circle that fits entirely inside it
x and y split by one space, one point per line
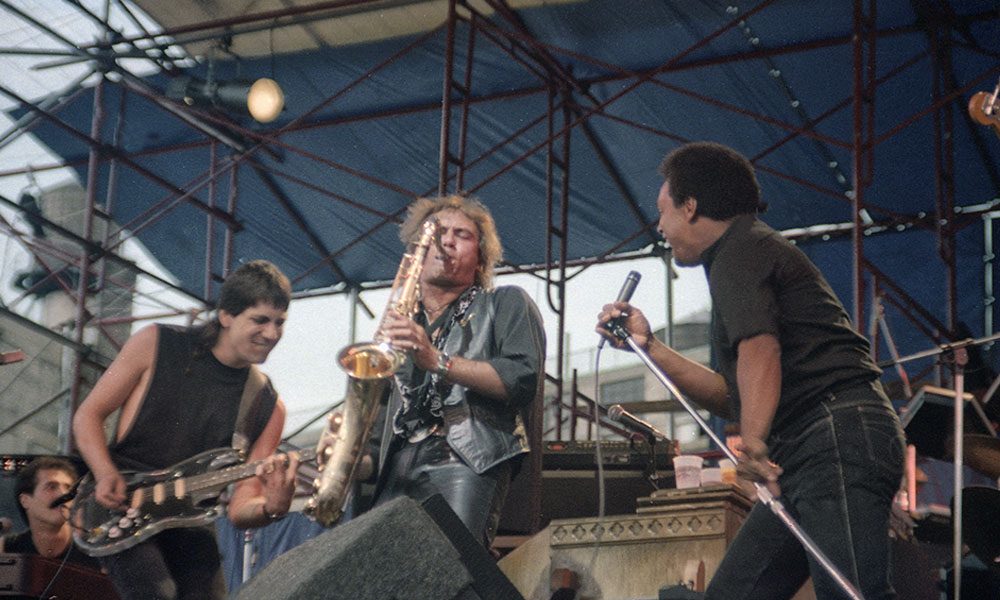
431 467
176 564
842 466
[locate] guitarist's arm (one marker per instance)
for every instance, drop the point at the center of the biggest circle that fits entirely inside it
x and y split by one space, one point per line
259 500
121 385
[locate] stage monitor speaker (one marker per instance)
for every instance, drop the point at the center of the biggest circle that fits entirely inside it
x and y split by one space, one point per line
402 550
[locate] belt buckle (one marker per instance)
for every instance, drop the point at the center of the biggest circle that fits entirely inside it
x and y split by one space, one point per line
423 433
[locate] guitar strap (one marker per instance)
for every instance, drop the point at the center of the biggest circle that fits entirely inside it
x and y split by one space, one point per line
249 406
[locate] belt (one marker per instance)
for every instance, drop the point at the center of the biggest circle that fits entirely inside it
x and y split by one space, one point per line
852 388
421 434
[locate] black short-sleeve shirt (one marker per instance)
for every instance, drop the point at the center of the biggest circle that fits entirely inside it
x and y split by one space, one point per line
760 283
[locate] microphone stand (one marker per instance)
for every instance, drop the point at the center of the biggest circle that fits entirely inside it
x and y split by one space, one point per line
763 493
650 472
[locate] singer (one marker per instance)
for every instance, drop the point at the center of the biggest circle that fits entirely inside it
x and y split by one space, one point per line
816 426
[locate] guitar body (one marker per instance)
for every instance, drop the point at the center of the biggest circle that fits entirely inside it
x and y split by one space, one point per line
184 495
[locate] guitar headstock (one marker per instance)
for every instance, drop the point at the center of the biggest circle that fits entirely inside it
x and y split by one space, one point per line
984 108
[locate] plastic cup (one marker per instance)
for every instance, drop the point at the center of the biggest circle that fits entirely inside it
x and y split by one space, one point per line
728 470
711 476
687 471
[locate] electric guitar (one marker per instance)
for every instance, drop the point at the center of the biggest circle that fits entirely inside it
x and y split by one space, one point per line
984 108
184 495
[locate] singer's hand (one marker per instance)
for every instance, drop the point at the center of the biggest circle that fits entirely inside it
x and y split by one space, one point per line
755 465
635 323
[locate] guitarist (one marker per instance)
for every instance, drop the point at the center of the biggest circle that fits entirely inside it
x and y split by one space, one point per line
179 392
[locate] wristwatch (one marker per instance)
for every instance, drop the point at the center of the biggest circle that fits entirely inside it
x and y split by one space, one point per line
271 517
443 365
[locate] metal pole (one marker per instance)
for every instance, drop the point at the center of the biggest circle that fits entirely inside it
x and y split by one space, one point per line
961 357
989 258
81 290
247 554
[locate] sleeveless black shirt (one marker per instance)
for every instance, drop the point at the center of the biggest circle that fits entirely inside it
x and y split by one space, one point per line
191 405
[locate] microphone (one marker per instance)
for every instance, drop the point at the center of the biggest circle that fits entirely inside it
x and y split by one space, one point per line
624 295
64 498
630 421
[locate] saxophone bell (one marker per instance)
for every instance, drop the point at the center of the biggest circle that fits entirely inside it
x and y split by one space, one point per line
369 360
369 367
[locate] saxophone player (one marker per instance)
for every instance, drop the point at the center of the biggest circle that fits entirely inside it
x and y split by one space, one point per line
456 422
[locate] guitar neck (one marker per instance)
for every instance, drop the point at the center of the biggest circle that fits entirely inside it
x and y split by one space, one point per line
227 475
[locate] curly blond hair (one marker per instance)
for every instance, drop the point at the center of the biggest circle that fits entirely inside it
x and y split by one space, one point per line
490 250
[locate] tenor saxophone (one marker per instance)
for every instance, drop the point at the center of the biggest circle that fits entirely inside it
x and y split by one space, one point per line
370 367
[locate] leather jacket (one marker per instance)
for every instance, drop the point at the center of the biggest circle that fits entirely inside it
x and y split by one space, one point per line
485 431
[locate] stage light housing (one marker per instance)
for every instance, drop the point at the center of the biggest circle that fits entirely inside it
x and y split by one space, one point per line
262 99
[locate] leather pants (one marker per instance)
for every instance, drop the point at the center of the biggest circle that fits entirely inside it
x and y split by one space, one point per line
420 470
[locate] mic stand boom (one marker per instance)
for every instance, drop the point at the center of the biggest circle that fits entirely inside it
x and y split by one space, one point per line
763 493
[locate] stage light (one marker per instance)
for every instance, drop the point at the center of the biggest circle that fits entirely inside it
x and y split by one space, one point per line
265 100
262 99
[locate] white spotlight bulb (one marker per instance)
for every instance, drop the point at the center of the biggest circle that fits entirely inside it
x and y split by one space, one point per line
265 100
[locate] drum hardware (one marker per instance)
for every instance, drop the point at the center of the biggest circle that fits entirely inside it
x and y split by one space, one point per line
982 453
958 351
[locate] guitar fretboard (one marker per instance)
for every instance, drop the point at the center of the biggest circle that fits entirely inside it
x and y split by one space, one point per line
183 486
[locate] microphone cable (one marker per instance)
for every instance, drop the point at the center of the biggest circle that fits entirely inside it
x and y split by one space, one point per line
599 457
598 453
45 593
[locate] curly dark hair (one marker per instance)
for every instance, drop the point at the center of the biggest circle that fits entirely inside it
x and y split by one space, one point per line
721 179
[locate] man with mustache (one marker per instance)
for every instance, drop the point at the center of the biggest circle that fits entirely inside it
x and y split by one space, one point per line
455 424
179 392
43 481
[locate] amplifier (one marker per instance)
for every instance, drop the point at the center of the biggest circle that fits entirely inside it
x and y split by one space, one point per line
615 454
569 487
